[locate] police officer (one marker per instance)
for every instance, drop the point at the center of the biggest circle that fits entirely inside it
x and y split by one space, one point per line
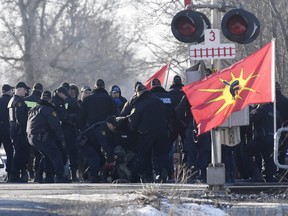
169 104
123 123
18 114
176 91
34 97
263 143
7 92
44 131
197 149
31 101
148 119
58 100
70 128
101 135
282 106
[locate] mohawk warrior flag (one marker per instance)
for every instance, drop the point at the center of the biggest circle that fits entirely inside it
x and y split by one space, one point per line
249 81
161 75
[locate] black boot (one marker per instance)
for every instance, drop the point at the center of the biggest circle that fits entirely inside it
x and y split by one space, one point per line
15 179
62 179
257 176
24 176
49 178
162 178
74 175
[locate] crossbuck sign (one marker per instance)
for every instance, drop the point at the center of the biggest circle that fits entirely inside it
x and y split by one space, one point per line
212 49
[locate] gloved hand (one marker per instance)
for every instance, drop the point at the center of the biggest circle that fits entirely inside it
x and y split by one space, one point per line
110 163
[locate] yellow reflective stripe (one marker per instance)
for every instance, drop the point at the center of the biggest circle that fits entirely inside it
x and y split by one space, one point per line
30 104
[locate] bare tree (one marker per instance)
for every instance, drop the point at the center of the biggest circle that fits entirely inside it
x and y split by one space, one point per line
72 40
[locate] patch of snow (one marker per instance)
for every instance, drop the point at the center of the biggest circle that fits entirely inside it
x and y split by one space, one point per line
165 208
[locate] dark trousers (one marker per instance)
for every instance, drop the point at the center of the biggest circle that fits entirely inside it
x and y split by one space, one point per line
197 150
152 147
21 153
263 145
50 150
7 144
92 152
70 134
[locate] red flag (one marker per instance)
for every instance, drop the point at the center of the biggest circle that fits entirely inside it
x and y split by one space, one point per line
249 81
161 75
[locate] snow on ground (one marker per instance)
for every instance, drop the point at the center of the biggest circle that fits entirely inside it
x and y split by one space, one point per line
179 209
165 208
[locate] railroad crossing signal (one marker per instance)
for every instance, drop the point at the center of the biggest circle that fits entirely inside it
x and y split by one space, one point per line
237 25
188 26
212 48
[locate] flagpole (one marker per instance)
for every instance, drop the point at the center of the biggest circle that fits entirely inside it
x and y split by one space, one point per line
273 84
167 75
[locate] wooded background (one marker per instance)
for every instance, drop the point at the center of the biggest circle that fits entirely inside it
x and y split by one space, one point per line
120 41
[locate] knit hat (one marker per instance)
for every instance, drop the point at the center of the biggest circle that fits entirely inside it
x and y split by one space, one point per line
136 84
100 83
63 90
46 95
115 89
6 88
177 80
140 87
155 82
38 87
65 85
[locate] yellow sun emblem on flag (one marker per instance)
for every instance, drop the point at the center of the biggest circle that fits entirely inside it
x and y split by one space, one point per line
232 90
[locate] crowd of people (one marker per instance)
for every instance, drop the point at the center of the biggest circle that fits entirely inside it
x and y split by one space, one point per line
95 135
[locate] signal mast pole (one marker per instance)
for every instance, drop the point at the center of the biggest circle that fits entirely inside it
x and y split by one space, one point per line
216 170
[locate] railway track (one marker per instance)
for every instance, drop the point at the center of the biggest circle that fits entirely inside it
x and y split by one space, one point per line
254 188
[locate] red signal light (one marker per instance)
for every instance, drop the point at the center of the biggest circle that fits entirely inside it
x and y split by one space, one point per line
240 26
237 25
188 26
185 26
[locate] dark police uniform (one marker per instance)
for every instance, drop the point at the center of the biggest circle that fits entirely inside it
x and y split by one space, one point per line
18 114
176 91
169 105
70 130
171 119
4 131
197 149
263 143
44 132
148 118
100 137
282 106
31 101
60 106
